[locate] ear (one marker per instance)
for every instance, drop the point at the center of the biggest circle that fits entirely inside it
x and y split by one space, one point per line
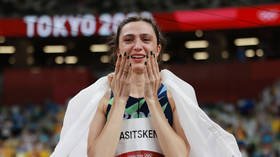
158 49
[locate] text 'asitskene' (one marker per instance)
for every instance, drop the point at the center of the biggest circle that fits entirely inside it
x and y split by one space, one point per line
133 134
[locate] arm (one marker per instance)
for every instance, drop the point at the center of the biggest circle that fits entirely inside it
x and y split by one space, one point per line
104 136
172 140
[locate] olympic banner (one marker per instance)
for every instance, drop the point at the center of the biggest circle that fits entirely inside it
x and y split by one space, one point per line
105 24
224 18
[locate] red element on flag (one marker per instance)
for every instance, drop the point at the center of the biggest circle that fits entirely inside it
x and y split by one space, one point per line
141 153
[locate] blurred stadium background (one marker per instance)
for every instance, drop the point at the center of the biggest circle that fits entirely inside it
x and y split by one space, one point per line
51 49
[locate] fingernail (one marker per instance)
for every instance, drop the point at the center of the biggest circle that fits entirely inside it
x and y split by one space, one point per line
147 56
120 55
151 53
127 57
124 53
145 63
130 64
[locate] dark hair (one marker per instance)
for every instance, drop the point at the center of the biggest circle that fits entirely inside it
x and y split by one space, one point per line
114 41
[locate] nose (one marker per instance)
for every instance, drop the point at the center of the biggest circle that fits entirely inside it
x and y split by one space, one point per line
138 45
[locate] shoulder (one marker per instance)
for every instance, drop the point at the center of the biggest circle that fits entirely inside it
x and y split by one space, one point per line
103 104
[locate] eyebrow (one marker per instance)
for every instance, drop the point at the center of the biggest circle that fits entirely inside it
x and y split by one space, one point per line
143 34
146 35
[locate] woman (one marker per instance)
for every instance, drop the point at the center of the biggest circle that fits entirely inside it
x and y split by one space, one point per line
138 45
139 110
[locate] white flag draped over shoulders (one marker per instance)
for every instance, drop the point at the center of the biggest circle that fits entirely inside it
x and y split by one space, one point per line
206 138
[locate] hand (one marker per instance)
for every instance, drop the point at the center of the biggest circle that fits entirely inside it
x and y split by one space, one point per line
120 79
152 78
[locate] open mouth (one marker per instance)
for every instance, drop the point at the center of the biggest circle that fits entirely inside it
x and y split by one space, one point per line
137 56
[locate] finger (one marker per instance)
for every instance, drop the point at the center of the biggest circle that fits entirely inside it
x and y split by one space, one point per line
156 67
155 71
125 65
126 68
129 72
156 63
117 68
122 65
149 69
153 63
146 73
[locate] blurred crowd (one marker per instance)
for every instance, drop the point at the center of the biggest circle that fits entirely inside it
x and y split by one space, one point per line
255 123
32 130
17 8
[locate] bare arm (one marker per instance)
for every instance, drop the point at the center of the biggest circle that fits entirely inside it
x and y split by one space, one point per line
96 126
171 139
104 135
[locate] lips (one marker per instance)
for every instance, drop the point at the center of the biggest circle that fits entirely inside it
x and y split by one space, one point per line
137 56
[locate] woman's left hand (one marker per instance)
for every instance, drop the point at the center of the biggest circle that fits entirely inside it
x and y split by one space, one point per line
152 78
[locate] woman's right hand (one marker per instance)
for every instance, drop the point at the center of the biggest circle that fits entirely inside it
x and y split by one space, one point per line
120 79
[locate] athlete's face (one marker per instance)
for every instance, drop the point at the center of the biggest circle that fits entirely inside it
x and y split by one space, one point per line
138 39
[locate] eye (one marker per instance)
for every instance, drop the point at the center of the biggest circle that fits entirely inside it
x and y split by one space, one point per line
127 40
146 39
